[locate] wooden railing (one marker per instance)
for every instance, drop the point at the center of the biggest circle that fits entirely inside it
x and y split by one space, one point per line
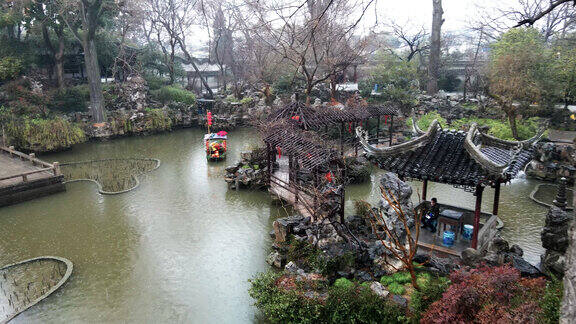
44 166
295 191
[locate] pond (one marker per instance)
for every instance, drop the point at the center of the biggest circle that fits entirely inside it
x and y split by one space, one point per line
180 247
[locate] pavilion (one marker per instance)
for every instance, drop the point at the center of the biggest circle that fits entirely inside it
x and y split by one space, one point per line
469 160
299 133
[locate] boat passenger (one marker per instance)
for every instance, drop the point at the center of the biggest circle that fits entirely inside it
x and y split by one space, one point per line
430 217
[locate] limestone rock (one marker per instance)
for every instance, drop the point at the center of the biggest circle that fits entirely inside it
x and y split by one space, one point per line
379 289
401 301
555 232
471 257
276 259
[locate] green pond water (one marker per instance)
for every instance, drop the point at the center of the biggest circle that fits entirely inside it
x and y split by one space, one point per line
181 247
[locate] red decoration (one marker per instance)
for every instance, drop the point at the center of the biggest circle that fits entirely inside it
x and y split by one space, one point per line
297 118
209 117
222 133
279 150
386 119
329 177
349 127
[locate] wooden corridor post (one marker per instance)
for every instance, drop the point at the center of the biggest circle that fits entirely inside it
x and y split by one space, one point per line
269 162
496 199
424 189
477 210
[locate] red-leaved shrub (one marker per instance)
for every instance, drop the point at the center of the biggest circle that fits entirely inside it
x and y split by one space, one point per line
488 295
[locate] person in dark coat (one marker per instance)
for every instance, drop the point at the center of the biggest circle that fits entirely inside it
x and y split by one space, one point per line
430 217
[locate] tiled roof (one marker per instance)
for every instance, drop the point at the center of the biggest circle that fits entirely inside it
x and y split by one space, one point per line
445 159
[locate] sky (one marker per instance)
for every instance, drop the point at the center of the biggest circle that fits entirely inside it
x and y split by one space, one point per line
457 13
415 13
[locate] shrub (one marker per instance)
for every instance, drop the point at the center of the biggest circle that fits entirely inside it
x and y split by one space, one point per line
280 305
501 129
347 303
488 295
70 99
343 283
397 288
425 120
429 292
550 302
156 121
386 280
247 100
154 82
10 68
357 304
169 94
402 277
43 135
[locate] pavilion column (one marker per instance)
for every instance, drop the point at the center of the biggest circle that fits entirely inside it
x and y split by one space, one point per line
424 189
477 211
391 129
378 130
496 198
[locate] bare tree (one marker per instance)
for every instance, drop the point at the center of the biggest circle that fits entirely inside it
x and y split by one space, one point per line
553 18
392 240
173 20
435 47
537 10
416 42
318 43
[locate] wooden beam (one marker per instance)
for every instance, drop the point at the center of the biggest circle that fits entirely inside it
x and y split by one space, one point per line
477 211
496 199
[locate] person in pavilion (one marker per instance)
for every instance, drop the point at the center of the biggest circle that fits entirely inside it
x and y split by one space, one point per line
430 217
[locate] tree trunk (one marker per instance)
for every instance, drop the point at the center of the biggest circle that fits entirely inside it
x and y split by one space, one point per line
94 81
512 120
59 62
434 60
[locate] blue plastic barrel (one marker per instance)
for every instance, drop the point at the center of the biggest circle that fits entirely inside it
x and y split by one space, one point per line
468 232
448 239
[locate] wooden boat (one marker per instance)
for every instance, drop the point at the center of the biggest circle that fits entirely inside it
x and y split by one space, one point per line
216 146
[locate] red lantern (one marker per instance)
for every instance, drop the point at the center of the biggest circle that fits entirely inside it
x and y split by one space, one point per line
209 118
